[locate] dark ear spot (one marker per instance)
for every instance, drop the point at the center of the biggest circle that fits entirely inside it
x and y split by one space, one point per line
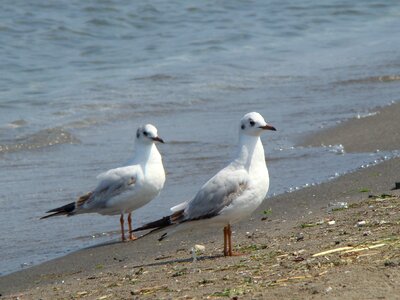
138 133
243 127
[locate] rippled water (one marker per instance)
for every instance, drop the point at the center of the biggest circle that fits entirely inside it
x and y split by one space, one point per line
78 77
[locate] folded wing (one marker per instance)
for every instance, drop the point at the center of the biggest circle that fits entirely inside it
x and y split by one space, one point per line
112 183
217 194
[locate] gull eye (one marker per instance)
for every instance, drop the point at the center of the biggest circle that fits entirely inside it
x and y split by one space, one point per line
252 123
145 133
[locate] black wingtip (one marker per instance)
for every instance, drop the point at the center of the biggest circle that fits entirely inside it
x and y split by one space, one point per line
62 210
164 222
162 237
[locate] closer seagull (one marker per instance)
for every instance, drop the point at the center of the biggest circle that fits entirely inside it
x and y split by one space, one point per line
124 189
232 194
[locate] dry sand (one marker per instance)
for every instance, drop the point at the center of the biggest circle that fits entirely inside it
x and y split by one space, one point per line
279 243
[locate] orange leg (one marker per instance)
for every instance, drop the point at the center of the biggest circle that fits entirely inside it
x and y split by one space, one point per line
225 241
121 220
131 236
229 230
229 235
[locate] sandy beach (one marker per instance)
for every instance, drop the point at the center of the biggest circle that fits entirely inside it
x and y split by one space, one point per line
311 249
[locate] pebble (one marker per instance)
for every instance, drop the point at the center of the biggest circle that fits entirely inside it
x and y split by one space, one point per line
300 237
200 248
361 223
337 205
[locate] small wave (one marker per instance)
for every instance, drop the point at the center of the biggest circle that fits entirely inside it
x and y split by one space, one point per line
88 122
148 8
337 149
100 9
349 12
99 22
17 123
177 105
365 115
156 77
230 87
44 138
373 79
211 42
4 28
101 106
96 235
183 142
194 9
56 31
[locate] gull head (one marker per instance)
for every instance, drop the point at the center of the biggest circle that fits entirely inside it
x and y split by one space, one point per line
147 134
254 124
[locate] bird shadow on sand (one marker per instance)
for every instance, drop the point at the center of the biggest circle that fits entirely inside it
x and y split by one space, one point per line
178 260
105 244
116 241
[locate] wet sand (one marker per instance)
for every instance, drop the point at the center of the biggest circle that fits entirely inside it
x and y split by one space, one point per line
272 239
365 134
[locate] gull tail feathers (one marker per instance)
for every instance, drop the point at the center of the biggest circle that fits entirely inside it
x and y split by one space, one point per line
62 210
158 224
162 223
68 209
153 231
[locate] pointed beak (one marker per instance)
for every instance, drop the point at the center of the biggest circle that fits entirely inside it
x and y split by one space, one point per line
158 139
268 127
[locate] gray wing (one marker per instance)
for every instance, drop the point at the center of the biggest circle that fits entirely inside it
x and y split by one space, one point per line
216 194
112 183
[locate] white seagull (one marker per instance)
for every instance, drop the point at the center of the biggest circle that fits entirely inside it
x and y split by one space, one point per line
232 194
124 189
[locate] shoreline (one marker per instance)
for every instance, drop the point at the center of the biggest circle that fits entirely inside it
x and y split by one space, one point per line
376 131
357 135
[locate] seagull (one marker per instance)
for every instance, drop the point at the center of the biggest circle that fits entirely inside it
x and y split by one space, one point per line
122 190
233 194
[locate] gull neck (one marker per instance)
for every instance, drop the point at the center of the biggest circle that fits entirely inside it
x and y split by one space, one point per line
251 152
145 153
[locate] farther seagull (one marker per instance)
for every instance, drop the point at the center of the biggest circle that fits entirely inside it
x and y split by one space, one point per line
232 194
124 189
